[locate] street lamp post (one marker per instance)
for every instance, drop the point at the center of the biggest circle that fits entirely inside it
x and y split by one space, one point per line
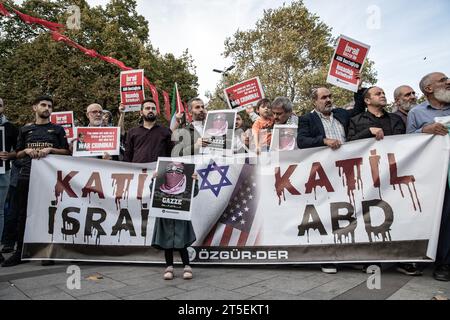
224 74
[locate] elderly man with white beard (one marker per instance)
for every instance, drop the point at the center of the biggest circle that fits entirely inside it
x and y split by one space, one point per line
405 99
436 87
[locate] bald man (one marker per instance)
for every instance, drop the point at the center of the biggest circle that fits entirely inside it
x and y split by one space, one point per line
405 99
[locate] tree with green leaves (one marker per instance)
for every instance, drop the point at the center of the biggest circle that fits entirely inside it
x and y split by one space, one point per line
33 64
290 49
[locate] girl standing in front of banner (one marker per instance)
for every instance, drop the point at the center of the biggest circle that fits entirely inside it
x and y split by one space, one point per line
174 235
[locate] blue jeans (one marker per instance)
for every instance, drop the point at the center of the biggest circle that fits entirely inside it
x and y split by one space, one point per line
4 186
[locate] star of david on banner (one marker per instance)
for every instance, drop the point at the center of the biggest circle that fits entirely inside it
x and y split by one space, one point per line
215 188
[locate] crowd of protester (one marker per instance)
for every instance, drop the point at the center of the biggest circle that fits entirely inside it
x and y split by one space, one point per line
326 126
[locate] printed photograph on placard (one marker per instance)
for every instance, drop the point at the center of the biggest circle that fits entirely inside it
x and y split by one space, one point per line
173 190
284 138
219 130
95 141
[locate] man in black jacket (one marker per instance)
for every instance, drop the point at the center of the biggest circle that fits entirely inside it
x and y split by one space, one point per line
326 125
375 122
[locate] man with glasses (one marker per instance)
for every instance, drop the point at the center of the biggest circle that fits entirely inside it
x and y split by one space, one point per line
405 99
144 144
36 141
94 113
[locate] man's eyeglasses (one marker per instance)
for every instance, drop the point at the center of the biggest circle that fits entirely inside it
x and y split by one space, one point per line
96 112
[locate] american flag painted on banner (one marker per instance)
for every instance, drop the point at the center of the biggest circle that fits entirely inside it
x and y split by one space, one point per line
237 225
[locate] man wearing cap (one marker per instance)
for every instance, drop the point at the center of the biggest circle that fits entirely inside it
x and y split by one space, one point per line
35 141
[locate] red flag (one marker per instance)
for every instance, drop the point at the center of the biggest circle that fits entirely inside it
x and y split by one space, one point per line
180 107
186 110
147 83
155 97
166 104
59 37
118 63
3 10
32 20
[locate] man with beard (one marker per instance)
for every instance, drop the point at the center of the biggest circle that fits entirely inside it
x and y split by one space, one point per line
35 141
375 122
436 87
95 113
405 100
188 139
326 125
149 141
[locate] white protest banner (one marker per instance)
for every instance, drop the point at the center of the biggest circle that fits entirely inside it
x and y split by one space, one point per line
284 138
369 201
2 149
64 119
95 141
173 189
244 94
219 131
132 89
446 122
94 210
348 58
443 120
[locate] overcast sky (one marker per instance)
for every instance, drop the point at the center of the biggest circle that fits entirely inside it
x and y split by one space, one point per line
409 40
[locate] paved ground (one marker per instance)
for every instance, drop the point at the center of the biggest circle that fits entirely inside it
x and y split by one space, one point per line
31 281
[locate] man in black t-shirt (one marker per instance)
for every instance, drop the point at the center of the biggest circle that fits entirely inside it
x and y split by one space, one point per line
35 141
